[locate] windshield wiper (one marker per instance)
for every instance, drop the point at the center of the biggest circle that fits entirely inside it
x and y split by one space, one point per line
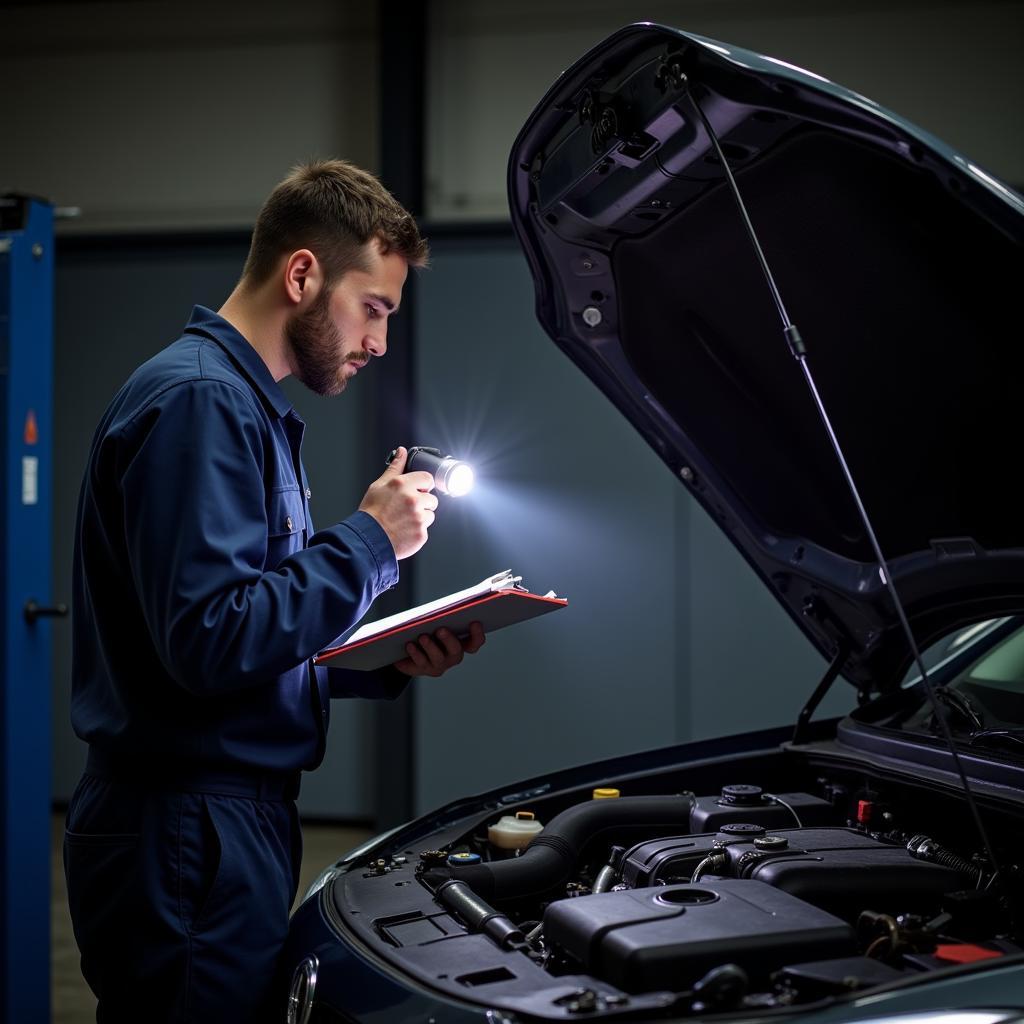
999 738
963 708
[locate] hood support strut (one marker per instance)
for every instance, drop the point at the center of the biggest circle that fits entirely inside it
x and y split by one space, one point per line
830 676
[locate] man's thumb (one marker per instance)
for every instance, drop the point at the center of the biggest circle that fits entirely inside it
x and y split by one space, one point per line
397 460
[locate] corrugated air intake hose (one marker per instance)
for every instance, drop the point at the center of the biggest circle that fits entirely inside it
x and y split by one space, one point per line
553 856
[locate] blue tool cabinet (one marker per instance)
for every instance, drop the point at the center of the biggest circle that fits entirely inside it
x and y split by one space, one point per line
26 412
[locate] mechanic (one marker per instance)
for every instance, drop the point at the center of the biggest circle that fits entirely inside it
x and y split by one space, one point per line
201 593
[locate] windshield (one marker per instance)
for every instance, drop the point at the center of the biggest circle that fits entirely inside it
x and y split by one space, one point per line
978 676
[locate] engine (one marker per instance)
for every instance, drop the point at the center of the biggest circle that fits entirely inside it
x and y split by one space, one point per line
684 904
757 899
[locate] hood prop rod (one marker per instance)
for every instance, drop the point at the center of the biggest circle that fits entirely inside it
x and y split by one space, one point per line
831 674
796 346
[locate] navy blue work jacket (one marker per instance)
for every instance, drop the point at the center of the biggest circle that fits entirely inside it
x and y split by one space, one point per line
200 589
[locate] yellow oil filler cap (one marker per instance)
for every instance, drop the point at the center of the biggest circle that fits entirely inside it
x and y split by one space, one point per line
514 832
606 794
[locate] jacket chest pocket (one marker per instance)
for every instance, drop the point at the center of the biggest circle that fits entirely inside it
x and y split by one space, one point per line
286 525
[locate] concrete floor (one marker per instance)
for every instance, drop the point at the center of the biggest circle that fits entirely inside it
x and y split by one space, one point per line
71 1000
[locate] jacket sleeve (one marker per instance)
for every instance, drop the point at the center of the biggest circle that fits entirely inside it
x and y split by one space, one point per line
191 470
384 684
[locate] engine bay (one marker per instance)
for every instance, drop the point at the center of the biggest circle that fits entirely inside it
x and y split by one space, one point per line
677 903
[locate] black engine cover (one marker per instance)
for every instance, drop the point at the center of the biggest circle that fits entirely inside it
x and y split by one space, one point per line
837 869
668 937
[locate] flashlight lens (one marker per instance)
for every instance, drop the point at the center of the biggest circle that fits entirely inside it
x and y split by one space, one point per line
460 480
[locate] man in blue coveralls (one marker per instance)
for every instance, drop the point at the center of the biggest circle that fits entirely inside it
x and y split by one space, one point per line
201 593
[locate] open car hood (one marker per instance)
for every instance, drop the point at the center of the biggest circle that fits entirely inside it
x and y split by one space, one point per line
898 259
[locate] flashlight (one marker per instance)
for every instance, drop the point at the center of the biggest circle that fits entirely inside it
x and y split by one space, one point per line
450 475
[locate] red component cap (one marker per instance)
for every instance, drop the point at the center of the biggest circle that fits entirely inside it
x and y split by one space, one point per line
865 808
966 953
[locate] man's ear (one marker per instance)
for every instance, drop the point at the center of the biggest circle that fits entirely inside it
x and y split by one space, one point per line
303 277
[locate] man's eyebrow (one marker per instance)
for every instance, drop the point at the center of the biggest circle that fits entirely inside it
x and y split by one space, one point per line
387 303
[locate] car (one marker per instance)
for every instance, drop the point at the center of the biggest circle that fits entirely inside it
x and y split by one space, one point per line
677 199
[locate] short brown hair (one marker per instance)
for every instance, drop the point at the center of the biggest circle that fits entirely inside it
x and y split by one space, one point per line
332 208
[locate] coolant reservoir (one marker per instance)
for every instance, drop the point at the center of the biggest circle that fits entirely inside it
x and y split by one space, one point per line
514 832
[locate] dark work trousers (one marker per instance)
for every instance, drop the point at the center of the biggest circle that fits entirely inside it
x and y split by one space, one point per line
180 896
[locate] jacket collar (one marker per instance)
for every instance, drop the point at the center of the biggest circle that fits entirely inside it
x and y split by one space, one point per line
204 321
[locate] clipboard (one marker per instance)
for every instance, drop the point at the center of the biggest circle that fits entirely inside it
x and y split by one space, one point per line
497 601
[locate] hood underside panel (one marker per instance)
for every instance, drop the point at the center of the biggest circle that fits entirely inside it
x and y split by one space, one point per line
907 338
898 260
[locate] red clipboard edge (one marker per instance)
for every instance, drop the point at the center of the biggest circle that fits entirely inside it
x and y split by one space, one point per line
331 652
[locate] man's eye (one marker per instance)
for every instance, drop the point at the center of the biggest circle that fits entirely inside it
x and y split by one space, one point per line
372 312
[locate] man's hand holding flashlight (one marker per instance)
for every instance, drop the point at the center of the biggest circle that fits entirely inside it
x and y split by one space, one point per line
403 505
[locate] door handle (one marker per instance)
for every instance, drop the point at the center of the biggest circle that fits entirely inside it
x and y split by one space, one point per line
33 611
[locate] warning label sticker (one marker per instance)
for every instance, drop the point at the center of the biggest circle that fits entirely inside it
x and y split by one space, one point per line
29 480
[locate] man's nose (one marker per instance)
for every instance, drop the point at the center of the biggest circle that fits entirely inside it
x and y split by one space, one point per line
376 341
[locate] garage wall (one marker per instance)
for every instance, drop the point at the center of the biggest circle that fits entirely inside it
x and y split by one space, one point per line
951 67
173 115
570 499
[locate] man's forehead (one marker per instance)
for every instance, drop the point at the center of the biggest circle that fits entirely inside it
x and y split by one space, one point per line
383 275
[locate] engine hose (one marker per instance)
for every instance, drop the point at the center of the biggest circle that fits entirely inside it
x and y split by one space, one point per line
552 857
478 916
926 848
715 860
605 879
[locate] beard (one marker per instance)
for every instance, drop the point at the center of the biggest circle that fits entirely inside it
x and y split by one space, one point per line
319 348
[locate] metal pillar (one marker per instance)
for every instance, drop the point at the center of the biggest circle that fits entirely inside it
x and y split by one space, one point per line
402 34
26 415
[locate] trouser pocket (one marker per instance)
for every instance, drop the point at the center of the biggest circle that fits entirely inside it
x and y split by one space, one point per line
101 872
97 863
200 855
